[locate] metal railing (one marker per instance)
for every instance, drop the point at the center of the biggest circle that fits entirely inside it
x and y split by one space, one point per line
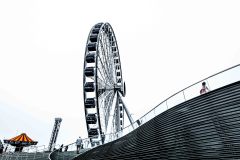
70 151
213 82
31 152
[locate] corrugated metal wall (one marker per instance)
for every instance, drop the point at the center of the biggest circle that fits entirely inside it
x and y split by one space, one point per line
206 127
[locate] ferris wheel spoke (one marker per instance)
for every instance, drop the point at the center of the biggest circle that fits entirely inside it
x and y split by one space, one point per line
106 67
102 87
109 108
110 65
102 84
107 53
106 106
114 124
104 96
103 44
106 73
103 78
103 41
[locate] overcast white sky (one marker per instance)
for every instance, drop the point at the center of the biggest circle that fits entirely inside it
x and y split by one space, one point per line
164 47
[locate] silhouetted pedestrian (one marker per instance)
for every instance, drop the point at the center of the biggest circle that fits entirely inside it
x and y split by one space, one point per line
66 148
61 147
79 143
6 148
1 147
103 138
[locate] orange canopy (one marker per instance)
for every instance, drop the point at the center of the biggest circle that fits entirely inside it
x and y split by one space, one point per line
21 140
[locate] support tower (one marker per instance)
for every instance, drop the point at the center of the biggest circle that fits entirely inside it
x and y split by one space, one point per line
54 135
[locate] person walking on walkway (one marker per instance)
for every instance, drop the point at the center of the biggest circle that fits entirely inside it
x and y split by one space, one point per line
79 143
61 148
66 149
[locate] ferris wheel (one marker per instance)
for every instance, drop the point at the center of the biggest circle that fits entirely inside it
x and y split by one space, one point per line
103 83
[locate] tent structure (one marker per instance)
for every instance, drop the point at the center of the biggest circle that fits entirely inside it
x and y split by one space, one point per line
20 141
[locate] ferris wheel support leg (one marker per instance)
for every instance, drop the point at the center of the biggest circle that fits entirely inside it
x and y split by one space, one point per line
128 113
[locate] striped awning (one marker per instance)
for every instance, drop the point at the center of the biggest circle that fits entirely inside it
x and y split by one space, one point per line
21 140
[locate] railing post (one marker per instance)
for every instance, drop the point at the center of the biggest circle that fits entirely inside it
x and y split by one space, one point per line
208 85
184 95
34 155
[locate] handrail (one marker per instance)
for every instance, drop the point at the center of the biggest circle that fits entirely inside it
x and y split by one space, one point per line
50 156
165 101
30 152
187 88
113 136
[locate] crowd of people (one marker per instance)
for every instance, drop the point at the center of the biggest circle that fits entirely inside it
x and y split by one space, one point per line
78 143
